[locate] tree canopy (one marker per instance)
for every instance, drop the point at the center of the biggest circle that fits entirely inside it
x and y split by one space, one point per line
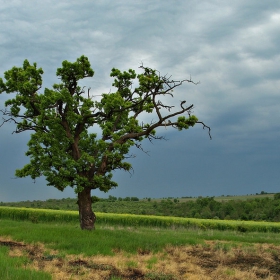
63 147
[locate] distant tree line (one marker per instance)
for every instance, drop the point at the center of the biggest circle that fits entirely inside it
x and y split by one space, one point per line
256 209
114 198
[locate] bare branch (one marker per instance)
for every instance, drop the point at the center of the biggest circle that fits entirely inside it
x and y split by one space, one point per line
206 126
88 93
182 102
139 146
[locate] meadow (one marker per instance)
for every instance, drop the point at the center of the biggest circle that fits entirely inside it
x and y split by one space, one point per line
48 244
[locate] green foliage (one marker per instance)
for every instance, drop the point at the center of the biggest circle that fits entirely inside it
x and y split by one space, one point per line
62 146
112 198
185 123
95 199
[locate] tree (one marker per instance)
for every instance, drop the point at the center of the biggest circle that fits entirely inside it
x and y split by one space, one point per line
63 147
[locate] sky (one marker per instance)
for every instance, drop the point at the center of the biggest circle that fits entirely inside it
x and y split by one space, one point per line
231 47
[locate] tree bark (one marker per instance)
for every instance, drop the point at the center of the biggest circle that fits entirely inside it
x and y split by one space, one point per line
87 217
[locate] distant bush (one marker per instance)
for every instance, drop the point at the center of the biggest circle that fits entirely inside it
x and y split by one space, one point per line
95 199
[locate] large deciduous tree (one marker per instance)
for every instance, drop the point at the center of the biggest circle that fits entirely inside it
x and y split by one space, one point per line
63 147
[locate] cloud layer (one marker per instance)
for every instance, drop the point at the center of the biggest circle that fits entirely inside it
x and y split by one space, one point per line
232 48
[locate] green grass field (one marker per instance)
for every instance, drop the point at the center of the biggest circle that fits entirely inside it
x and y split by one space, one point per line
61 236
68 237
15 268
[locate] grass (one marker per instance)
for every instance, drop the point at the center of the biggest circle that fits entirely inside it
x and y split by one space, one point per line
14 268
130 246
118 252
106 240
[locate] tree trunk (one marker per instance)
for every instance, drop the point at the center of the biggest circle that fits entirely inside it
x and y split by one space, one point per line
87 217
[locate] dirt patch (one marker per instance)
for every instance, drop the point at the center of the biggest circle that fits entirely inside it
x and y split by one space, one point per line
11 244
213 260
258 262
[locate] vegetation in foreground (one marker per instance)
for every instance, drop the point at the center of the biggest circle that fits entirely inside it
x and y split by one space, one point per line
48 244
17 268
115 252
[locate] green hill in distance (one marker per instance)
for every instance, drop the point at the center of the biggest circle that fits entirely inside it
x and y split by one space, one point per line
257 207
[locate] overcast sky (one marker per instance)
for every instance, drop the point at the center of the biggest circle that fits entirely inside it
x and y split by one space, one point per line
231 47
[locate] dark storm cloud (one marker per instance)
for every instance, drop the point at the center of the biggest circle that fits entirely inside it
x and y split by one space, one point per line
232 48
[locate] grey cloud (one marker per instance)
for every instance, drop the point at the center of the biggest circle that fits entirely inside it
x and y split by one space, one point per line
231 47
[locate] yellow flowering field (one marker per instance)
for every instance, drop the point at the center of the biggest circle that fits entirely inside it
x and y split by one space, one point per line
47 215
